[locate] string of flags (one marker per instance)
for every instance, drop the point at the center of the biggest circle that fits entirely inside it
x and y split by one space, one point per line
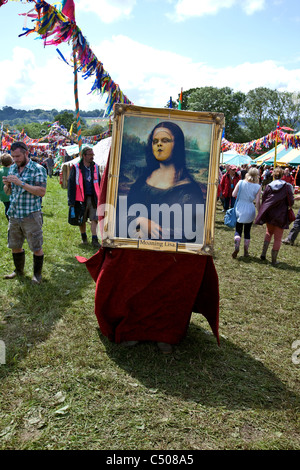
288 140
56 135
56 27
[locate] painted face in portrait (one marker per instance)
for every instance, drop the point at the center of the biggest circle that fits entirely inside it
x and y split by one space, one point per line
162 144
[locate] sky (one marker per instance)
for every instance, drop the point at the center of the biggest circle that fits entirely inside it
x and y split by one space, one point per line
152 49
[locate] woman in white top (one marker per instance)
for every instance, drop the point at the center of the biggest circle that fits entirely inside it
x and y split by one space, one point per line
250 191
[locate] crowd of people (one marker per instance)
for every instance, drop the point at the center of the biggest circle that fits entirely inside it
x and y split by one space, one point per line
23 183
263 195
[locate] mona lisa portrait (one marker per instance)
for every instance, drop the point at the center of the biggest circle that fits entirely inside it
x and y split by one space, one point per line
165 168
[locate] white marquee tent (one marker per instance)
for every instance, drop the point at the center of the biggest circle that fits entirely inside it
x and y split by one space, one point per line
101 151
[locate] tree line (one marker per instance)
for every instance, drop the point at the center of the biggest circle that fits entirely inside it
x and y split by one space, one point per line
36 128
9 114
248 116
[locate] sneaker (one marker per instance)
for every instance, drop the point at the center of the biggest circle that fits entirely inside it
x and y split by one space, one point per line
286 241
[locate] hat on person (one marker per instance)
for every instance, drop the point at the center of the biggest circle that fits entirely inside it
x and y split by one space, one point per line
232 167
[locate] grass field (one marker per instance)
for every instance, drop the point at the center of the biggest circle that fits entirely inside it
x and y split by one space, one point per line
65 386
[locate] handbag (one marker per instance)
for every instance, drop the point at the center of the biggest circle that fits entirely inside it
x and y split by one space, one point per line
290 214
230 215
230 218
79 210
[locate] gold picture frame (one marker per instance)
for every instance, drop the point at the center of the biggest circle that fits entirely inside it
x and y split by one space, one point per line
162 180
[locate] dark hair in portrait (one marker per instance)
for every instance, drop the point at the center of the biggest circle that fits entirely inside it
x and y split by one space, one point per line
178 154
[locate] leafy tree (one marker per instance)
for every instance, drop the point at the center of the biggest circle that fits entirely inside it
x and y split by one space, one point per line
65 119
35 130
185 97
261 111
223 100
96 129
289 109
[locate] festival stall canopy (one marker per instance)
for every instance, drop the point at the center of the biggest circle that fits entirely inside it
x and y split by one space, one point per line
73 149
227 155
285 156
238 160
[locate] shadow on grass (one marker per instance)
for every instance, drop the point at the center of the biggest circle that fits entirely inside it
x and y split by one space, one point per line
32 316
199 371
48 214
220 225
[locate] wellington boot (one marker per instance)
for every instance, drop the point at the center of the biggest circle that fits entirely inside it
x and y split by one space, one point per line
274 254
37 269
246 248
19 262
264 250
237 241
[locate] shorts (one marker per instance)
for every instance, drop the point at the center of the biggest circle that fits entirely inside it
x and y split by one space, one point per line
29 228
90 210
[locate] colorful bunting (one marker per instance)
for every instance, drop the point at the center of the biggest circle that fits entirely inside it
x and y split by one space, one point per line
288 140
56 27
57 134
68 9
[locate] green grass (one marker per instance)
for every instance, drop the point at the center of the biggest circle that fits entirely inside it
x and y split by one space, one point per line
65 386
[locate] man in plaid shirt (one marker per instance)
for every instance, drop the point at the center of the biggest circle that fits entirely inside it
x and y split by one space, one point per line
26 184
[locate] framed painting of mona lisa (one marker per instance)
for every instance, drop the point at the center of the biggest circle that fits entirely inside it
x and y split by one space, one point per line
162 180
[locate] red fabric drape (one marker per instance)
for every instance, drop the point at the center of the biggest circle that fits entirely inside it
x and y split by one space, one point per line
150 296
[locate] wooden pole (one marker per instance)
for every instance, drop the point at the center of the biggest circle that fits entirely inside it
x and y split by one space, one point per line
77 100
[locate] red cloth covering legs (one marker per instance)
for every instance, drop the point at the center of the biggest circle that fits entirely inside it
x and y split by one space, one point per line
150 296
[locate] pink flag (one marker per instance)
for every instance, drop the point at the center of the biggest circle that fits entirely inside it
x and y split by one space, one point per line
68 9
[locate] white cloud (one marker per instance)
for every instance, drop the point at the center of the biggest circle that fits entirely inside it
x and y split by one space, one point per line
107 10
252 6
150 76
147 76
196 8
31 85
